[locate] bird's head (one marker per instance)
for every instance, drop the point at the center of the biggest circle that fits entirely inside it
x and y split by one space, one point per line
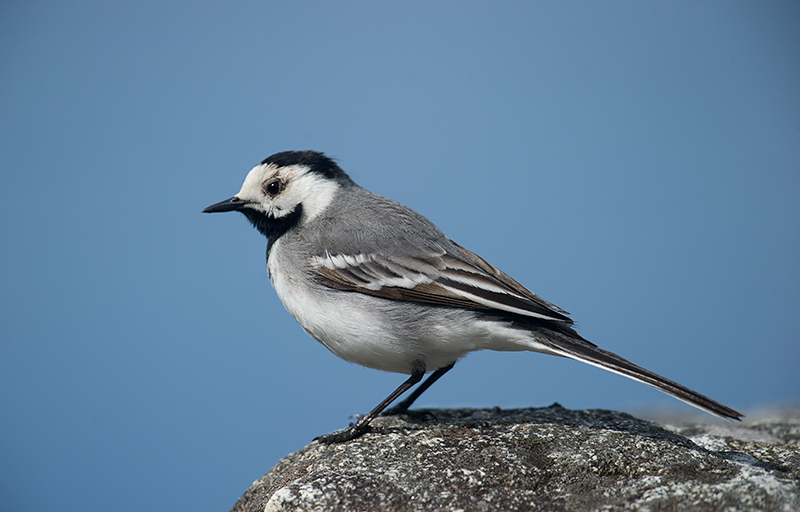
286 189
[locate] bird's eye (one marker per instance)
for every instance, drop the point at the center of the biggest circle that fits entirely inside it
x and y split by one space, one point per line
273 188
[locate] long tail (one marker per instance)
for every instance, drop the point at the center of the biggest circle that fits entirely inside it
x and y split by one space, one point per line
575 347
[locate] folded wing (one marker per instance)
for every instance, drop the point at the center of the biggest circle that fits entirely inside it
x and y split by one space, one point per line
457 278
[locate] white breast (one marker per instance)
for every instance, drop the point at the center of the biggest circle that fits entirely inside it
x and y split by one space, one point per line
346 327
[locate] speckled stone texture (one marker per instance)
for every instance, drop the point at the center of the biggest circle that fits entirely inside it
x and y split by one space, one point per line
549 459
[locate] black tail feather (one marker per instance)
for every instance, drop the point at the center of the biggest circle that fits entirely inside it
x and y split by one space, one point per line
582 350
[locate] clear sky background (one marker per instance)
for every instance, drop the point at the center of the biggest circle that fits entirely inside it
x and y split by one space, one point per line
636 163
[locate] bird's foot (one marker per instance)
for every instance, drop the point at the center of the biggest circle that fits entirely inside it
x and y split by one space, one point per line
416 414
354 431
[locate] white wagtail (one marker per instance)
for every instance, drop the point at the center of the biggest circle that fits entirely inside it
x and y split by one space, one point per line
381 286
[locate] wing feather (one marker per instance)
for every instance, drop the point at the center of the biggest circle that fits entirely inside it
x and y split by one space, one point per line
434 277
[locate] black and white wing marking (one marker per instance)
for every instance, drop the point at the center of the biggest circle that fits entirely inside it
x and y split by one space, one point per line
434 277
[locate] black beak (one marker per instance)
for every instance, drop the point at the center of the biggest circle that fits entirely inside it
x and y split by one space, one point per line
233 204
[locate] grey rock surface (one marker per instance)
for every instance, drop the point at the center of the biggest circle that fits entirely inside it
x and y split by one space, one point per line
541 459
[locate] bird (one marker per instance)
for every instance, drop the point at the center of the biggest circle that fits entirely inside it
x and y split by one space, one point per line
381 286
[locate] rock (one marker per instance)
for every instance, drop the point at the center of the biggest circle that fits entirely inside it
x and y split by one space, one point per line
540 459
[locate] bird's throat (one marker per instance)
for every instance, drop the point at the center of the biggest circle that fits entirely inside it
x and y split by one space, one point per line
271 227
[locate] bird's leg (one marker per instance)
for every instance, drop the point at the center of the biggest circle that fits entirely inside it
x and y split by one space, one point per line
405 404
360 428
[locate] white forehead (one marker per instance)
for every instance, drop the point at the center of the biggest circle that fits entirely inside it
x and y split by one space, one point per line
260 174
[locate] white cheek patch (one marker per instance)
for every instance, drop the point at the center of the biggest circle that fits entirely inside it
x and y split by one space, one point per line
277 211
311 190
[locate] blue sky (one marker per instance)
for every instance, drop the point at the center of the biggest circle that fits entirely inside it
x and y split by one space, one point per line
636 163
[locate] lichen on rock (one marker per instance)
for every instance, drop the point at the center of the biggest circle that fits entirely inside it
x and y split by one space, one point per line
539 459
